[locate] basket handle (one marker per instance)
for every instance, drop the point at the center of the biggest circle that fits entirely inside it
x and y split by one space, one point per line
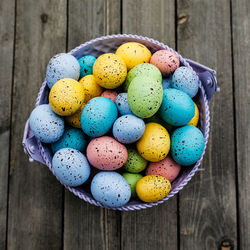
207 77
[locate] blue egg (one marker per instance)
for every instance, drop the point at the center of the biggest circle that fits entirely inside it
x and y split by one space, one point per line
177 107
166 82
70 167
128 129
187 145
72 138
98 116
122 104
86 65
62 66
185 79
110 189
47 126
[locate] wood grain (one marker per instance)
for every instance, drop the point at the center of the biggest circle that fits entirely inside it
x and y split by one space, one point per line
35 196
241 48
208 202
154 228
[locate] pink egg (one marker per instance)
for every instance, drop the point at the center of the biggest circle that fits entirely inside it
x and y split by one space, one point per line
111 94
166 61
106 153
167 168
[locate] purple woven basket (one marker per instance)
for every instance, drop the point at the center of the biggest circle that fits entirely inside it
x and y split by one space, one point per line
41 152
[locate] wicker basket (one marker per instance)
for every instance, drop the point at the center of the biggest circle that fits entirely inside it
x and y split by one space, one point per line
42 153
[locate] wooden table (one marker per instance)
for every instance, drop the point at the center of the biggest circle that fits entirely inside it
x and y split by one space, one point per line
211 212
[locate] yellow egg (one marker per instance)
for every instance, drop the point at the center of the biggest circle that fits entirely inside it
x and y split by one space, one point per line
195 119
66 96
154 144
152 188
109 70
91 88
74 120
133 54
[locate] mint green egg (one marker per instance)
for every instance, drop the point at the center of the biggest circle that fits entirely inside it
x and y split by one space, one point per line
132 179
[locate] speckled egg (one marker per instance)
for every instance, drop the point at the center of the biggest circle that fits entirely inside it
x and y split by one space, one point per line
45 124
62 66
70 167
195 118
186 79
166 82
144 96
166 61
143 69
187 145
177 107
110 71
167 168
152 188
156 118
91 88
66 96
106 153
128 129
133 54
110 94
135 163
74 120
132 179
110 189
86 65
154 144
72 138
98 116
122 104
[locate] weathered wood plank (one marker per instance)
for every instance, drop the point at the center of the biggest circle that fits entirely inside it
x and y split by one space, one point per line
208 202
87 226
35 196
7 20
154 228
241 48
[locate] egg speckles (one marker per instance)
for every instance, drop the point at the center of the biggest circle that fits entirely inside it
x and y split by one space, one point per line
109 70
86 65
110 94
106 153
122 104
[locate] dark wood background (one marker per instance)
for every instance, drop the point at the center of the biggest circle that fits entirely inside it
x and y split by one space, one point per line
211 212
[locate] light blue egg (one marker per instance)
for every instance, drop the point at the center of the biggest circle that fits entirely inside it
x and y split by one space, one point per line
128 129
177 107
166 82
47 126
70 167
86 65
98 116
185 79
122 104
72 138
187 145
110 189
62 66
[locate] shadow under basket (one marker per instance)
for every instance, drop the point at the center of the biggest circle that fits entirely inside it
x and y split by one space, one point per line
108 44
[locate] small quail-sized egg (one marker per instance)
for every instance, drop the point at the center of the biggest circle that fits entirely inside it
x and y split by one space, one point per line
71 167
106 153
47 126
75 119
110 71
152 188
86 65
66 96
122 104
128 129
132 179
187 80
166 82
110 189
62 66
187 145
110 94
72 138
98 116
194 121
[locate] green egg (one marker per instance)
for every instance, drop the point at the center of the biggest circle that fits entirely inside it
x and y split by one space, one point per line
155 118
132 179
145 96
145 69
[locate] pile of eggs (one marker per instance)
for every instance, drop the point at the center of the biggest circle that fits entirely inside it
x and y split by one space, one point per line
123 123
